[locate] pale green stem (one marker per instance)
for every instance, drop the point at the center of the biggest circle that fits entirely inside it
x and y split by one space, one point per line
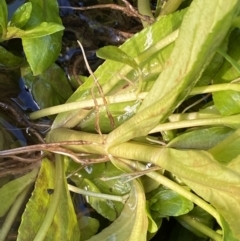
177 188
46 223
98 195
144 9
124 98
231 121
9 220
85 104
170 6
215 88
200 227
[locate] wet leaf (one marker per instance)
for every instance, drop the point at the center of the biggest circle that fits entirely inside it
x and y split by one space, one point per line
10 191
3 18
50 88
64 226
21 15
227 102
88 227
107 208
44 29
7 59
49 47
116 54
169 203
204 138
131 225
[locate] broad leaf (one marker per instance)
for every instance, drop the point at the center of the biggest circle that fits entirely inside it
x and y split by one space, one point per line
64 225
49 47
88 227
116 54
169 203
3 19
202 31
110 72
203 139
21 15
50 88
216 183
7 59
10 191
107 208
44 29
227 102
131 225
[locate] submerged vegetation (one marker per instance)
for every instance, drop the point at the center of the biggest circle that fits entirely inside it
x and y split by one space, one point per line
151 135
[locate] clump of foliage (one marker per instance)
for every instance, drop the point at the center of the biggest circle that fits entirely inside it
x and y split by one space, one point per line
125 141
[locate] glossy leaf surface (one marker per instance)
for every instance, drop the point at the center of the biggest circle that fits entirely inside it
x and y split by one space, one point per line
107 208
109 73
48 49
21 15
44 29
169 203
50 88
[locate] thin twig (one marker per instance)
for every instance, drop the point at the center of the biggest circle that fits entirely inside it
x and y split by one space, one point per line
129 10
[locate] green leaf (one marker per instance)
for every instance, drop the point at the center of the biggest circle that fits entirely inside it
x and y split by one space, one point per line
21 15
131 225
9 60
50 88
202 31
48 47
10 191
88 227
227 102
216 183
107 208
110 71
3 19
204 138
169 203
227 149
64 225
116 54
201 216
44 29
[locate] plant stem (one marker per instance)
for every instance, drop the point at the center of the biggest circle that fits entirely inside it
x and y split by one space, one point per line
170 6
40 236
98 195
13 213
231 121
200 227
85 104
144 9
177 188
123 98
